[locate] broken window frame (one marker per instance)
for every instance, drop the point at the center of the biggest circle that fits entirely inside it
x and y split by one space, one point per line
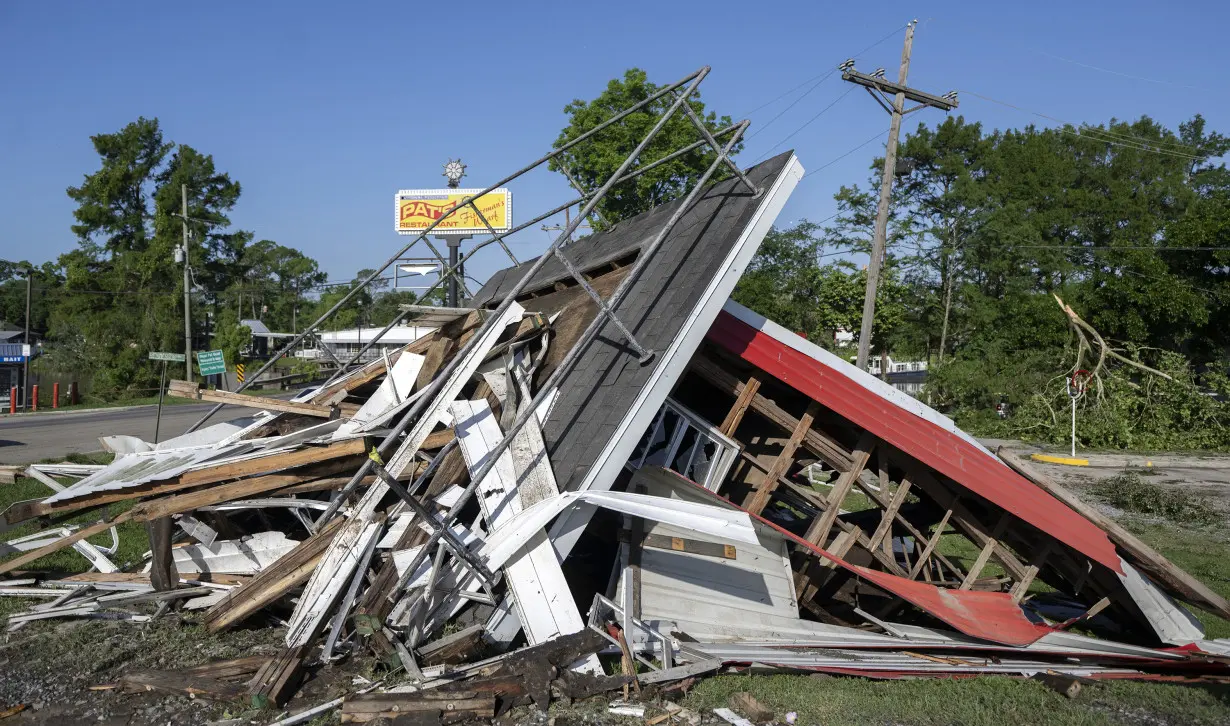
719 465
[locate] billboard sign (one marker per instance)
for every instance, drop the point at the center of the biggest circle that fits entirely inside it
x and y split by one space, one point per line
418 209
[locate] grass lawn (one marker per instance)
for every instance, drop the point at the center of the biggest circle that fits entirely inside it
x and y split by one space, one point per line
984 701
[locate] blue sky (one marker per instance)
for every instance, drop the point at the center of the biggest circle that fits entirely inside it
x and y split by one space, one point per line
323 110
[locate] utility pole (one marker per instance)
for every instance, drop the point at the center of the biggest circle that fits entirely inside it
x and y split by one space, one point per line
881 89
25 364
183 190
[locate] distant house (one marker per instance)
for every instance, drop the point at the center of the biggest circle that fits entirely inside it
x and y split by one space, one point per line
345 343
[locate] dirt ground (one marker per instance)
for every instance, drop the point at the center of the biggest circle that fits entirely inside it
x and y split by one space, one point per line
1203 475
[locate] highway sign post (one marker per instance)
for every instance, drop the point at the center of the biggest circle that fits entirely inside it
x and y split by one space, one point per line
162 385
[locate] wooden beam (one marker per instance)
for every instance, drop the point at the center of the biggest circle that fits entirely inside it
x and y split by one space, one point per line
747 392
965 521
273 582
819 502
162 574
1035 565
931 543
890 514
817 442
184 389
987 549
818 532
210 474
756 502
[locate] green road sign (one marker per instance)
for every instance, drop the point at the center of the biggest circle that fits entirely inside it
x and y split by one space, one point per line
172 357
211 362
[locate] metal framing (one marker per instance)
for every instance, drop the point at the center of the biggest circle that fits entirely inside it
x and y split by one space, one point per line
589 202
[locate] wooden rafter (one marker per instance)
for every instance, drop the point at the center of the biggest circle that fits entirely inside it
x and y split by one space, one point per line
925 557
746 393
818 532
988 548
756 502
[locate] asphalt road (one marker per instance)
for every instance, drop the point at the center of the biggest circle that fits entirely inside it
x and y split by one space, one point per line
25 439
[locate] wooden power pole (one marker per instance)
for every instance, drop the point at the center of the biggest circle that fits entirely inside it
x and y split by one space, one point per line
183 190
883 90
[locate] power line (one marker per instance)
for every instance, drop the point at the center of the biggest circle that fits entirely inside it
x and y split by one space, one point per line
851 151
792 105
1092 135
1120 73
820 76
807 123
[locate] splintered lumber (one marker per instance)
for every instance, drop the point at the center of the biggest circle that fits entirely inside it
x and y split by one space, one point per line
282 461
289 571
184 389
453 706
455 648
162 574
1152 562
278 679
195 686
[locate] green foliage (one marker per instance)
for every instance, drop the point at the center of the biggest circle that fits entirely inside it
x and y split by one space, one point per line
1129 492
230 336
1132 410
594 161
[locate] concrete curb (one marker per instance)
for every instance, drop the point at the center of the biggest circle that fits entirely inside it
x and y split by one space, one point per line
1065 460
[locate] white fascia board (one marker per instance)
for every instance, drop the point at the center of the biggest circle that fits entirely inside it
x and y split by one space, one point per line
676 358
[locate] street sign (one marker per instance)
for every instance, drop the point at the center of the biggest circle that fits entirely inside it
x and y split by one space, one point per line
211 362
172 357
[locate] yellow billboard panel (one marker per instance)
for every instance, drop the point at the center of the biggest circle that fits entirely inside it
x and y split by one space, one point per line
418 209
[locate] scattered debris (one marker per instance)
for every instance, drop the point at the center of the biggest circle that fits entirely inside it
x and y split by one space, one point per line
608 404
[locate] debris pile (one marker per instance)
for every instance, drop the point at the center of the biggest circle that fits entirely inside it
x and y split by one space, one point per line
605 476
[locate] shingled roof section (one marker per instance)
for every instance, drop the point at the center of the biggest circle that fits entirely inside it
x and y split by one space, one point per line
696 266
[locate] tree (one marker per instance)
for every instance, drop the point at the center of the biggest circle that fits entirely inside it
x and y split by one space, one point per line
230 336
123 291
592 162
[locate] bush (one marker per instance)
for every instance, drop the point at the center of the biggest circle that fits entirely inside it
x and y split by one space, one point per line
1129 492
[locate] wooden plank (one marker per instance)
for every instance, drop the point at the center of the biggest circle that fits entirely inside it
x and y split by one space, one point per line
184 389
179 683
818 532
210 475
455 648
278 680
681 544
756 502
816 441
925 557
93 529
47 481
437 439
988 548
1153 563
1035 565
890 515
541 596
433 360
412 707
747 392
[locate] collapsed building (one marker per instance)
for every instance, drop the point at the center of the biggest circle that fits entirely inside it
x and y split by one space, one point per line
603 454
